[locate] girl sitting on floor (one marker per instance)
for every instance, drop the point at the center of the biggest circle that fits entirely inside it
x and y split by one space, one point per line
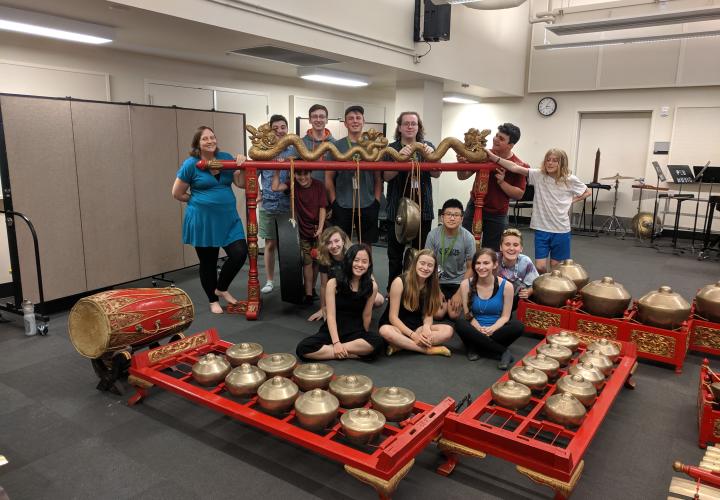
486 327
415 296
349 300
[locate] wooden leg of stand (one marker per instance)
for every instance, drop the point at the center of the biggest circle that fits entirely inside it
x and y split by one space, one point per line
384 487
629 382
452 452
562 489
141 389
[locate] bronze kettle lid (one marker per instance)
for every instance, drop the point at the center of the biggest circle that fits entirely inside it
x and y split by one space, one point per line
313 371
510 388
278 361
245 349
363 419
707 302
393 396
606 287
527 374
316 401
664 298
556 281
541 360
277 388
571 269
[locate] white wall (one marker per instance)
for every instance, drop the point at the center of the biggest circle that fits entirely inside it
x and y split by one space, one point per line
561 129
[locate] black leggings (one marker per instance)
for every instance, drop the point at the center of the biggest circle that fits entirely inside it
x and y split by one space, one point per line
237 253
490 346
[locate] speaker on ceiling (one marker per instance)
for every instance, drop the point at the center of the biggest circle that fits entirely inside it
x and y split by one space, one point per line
435 22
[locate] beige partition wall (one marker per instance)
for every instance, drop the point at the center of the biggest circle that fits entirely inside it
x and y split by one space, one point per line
188 121
95 178
41 157
154 151
107 193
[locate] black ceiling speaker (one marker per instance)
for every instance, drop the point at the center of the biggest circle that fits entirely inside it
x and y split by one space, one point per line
434 19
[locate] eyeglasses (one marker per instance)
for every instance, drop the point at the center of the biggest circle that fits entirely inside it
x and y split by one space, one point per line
453 215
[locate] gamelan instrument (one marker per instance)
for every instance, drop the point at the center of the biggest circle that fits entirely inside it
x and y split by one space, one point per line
119 319
553 289
642 225
407 220
605 297
290 258
571 269
663 308
316 409
707 302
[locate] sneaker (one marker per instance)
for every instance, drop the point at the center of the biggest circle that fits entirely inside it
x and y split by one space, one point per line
269 286
506 360
472 355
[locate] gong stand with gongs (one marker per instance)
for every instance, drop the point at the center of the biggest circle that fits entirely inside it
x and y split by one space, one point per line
290 254
251 307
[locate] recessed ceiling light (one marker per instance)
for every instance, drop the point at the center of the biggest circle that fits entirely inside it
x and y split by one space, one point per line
333 77
36 23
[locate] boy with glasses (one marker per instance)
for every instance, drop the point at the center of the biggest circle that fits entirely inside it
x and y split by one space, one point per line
454 247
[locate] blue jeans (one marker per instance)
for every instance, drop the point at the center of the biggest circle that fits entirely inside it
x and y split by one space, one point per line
493 226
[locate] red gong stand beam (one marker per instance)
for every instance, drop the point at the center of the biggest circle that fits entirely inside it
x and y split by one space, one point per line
251 307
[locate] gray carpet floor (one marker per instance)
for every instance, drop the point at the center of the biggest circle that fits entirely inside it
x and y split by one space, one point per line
64 439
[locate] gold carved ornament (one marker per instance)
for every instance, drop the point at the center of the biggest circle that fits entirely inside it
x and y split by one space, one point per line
373 146
706 337
653 343
179 346
716 428
597 329
541 319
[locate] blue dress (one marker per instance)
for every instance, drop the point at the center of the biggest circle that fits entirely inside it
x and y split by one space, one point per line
211 217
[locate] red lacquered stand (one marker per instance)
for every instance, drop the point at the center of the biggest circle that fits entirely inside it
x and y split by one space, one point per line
547 453
704 334
538 318
708 411
659 344
382 466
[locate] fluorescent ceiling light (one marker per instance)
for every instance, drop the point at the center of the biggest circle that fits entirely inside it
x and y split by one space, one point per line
460 99
36 23
333 77
649 19
624 41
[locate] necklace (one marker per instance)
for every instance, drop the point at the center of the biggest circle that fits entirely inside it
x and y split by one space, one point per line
485 302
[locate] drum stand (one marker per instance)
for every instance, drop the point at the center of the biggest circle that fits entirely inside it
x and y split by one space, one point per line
613 223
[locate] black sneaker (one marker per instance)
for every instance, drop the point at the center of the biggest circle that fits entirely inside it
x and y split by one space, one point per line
308 300
472 355
506 360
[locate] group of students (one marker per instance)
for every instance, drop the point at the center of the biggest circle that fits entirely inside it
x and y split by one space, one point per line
416 302
465 280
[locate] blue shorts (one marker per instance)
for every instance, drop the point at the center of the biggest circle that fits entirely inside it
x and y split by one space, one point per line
554 245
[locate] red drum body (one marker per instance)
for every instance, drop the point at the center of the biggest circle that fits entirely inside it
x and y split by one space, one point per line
117 319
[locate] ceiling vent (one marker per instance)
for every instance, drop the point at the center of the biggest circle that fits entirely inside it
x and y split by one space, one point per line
283 55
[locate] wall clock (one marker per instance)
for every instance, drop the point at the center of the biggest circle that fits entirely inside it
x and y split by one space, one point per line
547 106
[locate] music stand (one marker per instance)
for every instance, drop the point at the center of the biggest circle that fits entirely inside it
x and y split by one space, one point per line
699 180
660 178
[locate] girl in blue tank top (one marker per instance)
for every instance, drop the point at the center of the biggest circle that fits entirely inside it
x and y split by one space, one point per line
486 328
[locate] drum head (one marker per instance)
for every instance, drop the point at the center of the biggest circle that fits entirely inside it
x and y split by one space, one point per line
89 328
291 262
407 220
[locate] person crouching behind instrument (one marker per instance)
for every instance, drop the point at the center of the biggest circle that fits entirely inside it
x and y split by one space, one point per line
310 207
486 327
415 297
349 300
515 266
555 191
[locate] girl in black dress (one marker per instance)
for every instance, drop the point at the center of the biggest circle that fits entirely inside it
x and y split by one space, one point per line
349 300
331 250
407 322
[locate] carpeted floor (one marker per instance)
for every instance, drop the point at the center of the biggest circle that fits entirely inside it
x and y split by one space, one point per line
64 439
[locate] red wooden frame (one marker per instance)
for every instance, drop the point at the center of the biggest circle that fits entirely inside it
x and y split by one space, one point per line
704 335
252 306
381 466
546 452
538 318
708 409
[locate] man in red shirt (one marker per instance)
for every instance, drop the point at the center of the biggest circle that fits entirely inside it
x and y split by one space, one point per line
502 186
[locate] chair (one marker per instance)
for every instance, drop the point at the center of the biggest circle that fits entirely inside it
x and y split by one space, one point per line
525 202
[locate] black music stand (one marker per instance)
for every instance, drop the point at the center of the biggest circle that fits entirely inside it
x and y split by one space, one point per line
595 188
660 178
699 180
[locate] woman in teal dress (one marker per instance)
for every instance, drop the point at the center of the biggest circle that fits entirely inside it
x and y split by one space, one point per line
211 218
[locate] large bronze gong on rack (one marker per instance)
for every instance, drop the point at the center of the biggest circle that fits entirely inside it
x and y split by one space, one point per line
642 225
290 257
407 220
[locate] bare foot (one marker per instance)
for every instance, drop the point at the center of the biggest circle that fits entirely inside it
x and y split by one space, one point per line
226 297
215 308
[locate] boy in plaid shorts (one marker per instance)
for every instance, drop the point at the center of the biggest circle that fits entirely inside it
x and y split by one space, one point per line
310 207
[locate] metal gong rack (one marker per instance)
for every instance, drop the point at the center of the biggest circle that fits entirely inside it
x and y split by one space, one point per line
548 453
382 465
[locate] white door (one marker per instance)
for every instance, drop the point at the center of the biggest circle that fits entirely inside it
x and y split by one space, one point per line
255 107
161 94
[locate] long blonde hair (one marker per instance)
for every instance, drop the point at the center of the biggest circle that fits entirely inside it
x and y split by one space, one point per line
324 256
412 293
563 166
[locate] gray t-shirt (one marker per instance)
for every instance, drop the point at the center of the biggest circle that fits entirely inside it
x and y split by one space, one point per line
344 182
452 253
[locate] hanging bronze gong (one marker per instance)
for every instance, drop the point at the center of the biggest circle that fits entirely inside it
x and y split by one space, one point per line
642 225
291 261
407 220
408 257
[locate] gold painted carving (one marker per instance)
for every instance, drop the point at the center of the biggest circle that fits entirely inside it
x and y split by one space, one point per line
252 184
384 487
597 329
448 446
252 229
716 428
139 382
253 250
706 337
373 146
561 487
653 343
174 348
541 320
